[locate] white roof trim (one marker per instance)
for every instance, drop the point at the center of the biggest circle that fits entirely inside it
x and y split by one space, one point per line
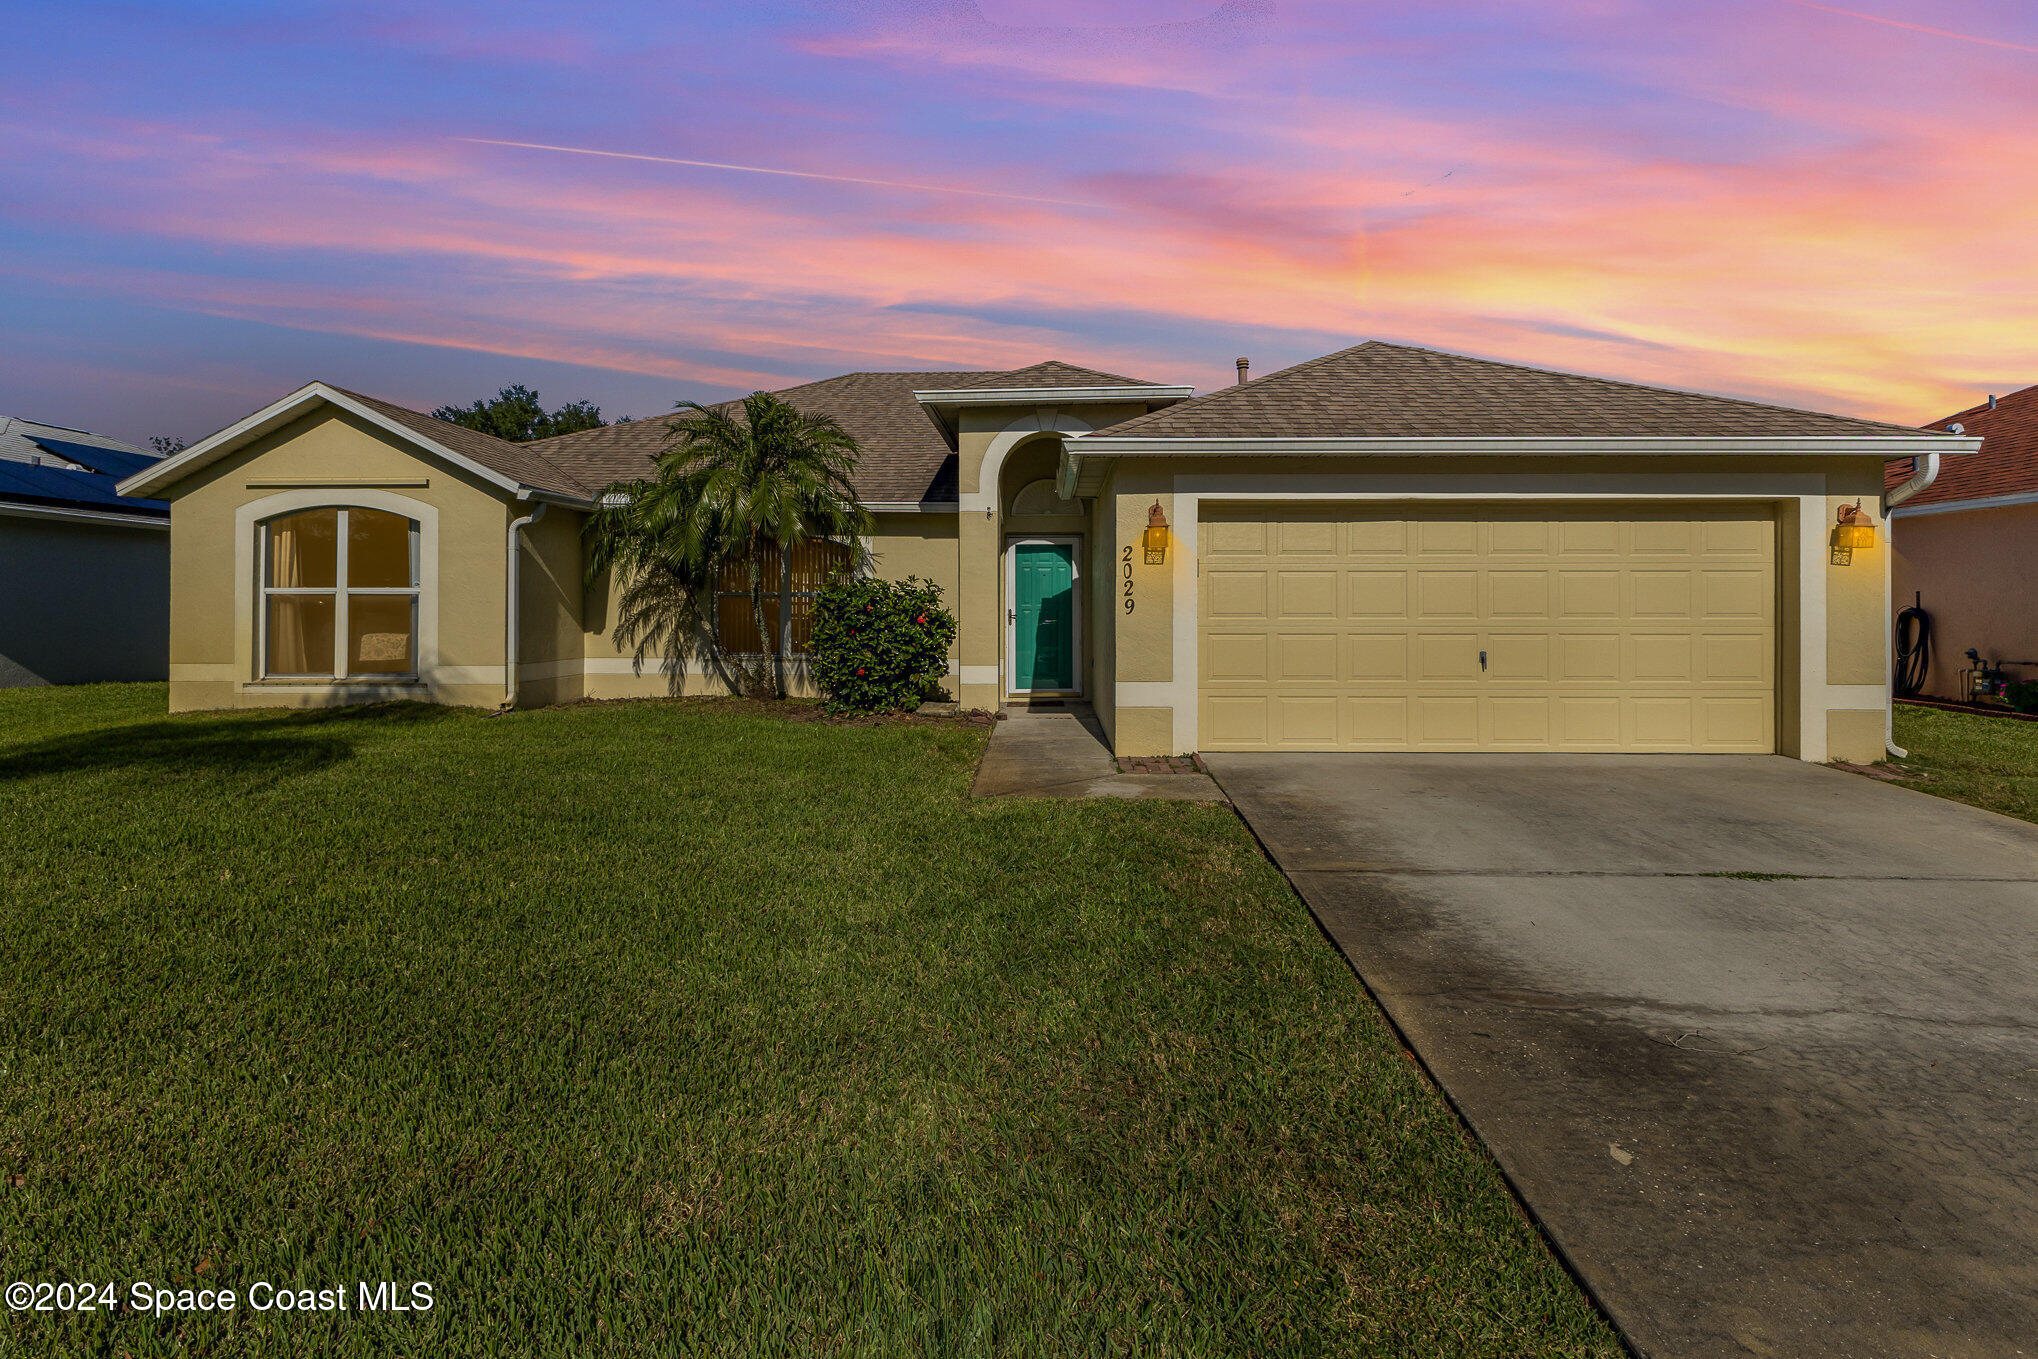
138 519
279 413
1987 502
1106 444
1047 396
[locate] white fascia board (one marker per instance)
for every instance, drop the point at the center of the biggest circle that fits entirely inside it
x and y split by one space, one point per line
559 498
1106 444
280 413
1987 502
911 506
1046 396
170 469
138 519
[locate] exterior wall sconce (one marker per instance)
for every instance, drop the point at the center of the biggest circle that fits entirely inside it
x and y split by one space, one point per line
1852 529
1156 535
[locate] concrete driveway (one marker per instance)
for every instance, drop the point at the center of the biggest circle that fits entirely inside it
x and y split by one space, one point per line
1754 1039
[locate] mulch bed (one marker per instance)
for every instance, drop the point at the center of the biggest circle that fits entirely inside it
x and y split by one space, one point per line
806 710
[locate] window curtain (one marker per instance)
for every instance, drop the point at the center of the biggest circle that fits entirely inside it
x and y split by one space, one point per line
303 556
286 625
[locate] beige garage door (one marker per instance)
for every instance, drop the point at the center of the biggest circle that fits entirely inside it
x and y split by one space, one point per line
1573 628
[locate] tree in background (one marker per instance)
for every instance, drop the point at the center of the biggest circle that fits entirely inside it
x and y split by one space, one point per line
517 415
166 445
745 488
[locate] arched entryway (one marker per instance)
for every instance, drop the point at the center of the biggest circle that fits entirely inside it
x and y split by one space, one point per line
1040 575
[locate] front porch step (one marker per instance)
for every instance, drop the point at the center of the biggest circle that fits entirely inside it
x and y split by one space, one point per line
1057 751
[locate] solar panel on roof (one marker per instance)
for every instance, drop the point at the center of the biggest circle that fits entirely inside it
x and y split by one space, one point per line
26 481
114 462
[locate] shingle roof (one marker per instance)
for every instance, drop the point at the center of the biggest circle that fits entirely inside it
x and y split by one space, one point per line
2006 465
22 440
905 458
512 460
53 466
1379 390
1051 373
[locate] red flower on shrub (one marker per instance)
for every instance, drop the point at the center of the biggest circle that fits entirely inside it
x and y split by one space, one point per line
904 656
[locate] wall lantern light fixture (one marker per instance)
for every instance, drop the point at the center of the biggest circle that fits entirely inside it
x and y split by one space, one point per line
1156 535
1853 529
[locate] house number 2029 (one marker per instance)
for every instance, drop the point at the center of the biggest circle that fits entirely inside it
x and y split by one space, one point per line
1127 560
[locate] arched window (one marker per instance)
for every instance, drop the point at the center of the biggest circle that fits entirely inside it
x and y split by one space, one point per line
339 595
814 562
1043 497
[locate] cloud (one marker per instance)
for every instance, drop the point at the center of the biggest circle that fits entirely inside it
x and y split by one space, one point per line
1914 28
1622 186
790 174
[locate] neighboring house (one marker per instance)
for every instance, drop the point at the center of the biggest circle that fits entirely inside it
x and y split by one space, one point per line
84 573
1387 548
1967 546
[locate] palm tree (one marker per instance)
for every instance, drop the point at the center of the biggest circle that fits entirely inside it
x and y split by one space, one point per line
729 488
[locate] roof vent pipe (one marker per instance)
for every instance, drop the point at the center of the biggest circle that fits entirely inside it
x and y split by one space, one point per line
1242 366
1991 400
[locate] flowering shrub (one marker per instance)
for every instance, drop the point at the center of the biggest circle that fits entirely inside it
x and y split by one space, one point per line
879 645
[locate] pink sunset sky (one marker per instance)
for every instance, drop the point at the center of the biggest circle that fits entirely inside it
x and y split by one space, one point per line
208 204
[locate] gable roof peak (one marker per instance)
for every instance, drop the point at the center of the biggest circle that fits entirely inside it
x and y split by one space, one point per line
1049 373
508 465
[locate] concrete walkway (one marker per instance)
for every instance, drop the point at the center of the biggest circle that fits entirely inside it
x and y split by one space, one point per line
1757 1041
1060 753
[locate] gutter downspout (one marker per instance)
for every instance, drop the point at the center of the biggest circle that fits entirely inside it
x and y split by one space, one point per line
512 578
1924 471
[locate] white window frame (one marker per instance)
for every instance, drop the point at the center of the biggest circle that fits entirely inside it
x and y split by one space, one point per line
341 592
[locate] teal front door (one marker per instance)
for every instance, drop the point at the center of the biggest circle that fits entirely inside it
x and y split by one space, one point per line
1043 616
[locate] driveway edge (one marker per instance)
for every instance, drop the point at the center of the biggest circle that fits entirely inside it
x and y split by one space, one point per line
1401 1035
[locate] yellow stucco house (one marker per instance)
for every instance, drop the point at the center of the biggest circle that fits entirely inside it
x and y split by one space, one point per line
1386 548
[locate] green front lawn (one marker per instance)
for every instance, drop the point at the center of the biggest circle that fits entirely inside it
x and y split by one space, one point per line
679 1029
1990 762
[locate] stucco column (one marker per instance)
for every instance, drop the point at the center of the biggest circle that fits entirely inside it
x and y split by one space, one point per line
1857 600
980 610
1147 692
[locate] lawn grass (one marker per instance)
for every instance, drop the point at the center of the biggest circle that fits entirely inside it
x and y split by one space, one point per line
667 1028
1990 762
